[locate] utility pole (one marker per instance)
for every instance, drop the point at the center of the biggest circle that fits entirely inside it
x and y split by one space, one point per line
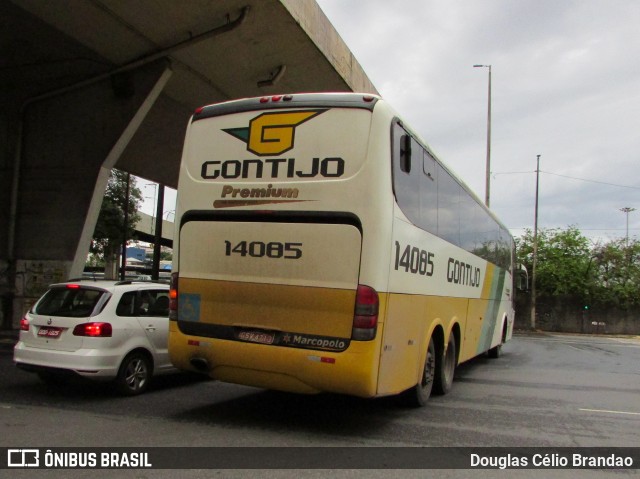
535 250
155 269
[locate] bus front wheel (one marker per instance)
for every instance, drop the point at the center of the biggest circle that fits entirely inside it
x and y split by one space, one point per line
496 351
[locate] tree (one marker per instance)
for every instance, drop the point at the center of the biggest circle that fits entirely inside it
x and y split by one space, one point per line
110 228
570 266
563 261
616 270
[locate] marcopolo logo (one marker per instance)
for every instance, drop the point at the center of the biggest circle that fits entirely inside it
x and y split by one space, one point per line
272 133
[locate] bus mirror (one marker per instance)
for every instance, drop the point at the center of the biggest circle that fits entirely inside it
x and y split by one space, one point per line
522 278
405 153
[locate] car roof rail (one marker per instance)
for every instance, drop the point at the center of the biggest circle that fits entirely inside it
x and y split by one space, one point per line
85 278
143 281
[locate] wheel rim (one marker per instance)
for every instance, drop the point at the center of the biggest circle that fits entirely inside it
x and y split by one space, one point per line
429 369
136 375
449 365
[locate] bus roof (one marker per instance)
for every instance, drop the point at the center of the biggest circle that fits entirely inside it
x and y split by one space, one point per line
300 100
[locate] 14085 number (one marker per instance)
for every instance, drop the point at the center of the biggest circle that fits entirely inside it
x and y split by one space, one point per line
414 260
258 249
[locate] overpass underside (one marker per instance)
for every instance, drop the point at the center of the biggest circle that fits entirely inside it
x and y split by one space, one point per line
90 85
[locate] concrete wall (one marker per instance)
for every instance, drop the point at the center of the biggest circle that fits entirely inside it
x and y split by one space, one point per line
566 315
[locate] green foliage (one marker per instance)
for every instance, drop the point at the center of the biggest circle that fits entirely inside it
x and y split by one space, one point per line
108 235
616 270
569 265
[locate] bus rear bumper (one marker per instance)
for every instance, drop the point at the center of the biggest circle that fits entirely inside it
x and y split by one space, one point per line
304 371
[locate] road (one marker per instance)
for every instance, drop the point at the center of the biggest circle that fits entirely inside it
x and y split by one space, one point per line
545 390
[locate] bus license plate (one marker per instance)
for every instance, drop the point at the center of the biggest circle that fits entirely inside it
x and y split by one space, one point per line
49 332
261 337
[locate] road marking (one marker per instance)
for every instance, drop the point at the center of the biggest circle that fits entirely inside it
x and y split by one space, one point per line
603 341
610 412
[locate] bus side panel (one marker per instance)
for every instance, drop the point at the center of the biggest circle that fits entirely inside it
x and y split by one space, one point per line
477 319
485 317
410 322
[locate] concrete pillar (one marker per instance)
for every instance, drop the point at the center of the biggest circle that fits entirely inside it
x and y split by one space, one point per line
69 143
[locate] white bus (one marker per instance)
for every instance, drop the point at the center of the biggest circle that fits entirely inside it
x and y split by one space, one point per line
321 246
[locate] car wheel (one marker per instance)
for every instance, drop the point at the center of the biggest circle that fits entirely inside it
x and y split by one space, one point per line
445 368
134 374
418 395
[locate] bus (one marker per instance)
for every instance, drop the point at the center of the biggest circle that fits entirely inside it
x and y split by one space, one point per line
321 246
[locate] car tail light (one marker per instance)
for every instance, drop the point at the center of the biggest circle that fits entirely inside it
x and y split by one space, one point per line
93 330
365 318
173 297
24 324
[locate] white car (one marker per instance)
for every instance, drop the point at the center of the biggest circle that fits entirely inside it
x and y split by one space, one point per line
104 330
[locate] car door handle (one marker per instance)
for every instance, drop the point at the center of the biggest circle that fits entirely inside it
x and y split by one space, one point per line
150 328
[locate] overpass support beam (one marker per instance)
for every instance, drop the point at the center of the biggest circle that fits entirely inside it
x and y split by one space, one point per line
68 144
109 163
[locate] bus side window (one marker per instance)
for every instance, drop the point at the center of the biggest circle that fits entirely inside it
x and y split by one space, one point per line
405 153
429 193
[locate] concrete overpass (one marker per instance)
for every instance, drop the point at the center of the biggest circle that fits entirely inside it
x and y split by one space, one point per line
146 228
89 85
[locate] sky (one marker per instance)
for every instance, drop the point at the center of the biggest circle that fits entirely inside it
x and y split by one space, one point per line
565 86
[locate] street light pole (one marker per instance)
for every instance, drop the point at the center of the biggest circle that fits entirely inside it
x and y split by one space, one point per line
627 210
125 229
155 193
488 167
535 250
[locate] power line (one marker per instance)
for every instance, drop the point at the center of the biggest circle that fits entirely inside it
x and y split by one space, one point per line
510 173
592 181
567 176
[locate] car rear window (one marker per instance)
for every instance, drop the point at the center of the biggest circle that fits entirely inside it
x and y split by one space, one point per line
70 302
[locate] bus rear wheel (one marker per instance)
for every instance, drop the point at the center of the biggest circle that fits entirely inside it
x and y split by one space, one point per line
445 368
418 395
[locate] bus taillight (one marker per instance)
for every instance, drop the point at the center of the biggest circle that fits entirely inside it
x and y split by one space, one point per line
173 297
365 319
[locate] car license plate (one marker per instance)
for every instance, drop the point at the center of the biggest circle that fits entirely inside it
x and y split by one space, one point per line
261 337
49 332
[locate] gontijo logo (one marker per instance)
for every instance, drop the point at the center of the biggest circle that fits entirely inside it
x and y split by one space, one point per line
272 133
